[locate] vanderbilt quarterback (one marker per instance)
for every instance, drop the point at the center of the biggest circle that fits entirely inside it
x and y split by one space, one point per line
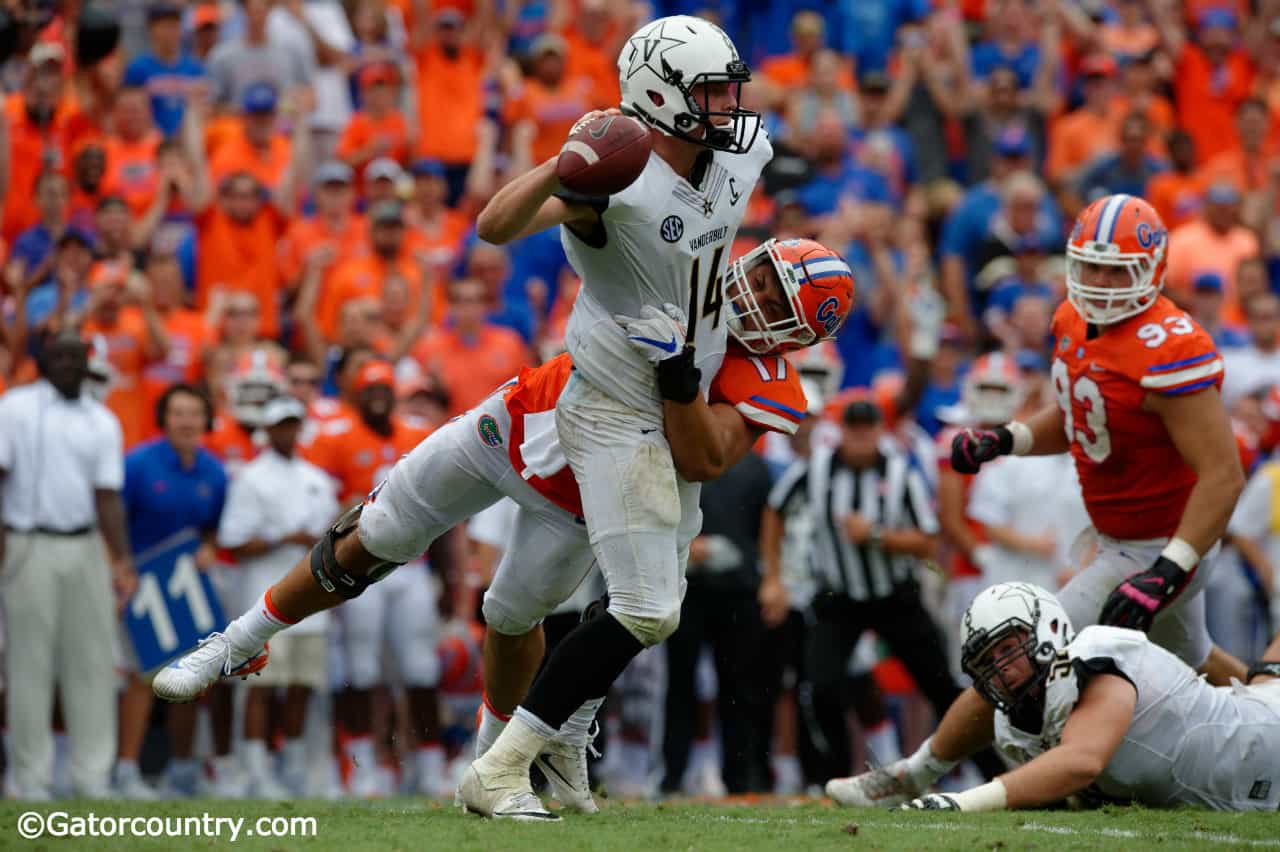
1138 407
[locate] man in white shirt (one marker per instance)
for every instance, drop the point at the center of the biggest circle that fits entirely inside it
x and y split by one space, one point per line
61 471
267 535
1257 366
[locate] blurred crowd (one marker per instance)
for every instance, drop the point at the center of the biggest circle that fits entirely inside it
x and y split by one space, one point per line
269 199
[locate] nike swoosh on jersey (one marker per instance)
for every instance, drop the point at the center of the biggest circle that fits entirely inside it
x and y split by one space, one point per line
665 346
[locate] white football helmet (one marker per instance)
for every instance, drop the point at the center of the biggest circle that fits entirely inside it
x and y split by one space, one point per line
1012 609
662 63
821 373
255 380
993 389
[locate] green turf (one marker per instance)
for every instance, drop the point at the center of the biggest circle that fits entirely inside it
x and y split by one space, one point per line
413 824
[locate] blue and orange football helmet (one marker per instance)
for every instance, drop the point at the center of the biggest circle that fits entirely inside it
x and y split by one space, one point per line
818 286
1118 231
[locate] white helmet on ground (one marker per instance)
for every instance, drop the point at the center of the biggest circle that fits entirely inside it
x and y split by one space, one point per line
662 63
1022 610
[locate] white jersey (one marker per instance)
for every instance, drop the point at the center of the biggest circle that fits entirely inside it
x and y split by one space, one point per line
1189 743
666 241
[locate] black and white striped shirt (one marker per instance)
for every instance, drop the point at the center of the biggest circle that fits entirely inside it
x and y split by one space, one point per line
890 492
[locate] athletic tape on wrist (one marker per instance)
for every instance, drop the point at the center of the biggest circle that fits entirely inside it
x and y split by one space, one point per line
1022 438
1181 554
991 796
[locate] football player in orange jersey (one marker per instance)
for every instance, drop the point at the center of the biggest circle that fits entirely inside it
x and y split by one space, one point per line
1138 408
401 613
506 447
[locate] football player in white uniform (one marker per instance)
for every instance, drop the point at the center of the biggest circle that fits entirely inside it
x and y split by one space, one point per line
660 243
1109 715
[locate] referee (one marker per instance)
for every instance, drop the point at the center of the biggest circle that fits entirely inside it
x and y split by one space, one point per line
873 524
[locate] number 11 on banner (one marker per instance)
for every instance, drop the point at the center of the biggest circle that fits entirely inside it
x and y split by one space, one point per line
174 607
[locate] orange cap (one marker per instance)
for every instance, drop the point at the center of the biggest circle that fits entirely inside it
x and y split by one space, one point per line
375 373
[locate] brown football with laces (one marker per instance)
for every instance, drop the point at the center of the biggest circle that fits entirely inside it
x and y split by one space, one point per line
604 156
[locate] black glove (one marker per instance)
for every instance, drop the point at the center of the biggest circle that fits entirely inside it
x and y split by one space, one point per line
974 447
1135 602
678 379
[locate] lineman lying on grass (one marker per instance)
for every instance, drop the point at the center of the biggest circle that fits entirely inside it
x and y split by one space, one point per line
1110 714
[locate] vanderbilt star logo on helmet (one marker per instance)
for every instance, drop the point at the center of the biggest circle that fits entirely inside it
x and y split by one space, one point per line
647 49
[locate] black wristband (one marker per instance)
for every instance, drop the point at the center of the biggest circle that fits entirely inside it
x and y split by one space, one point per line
1004 440
1264 667
678 379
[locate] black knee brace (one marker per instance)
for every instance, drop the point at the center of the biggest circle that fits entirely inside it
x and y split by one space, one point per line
331 576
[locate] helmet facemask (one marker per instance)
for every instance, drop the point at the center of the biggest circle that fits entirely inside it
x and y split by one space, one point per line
1103 305
987 658
747 320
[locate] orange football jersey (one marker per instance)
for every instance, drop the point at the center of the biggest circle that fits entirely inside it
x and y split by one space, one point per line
358 457
1134 480
764 389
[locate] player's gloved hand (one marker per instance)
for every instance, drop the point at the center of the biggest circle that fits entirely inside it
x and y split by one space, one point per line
1135 602
974 447
932 802
658 333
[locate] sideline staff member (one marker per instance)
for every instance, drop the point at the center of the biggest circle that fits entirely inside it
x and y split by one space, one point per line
61 471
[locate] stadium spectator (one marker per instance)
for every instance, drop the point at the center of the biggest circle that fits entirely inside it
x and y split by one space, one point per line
547 103
31 256
238 65
1089 131
1214 241
37 118
60 299
166 71
1204 303
1002 115
172 485
378 129
335 233
436 231
1212 74
1255 367
1176 193
1248 164
61 472
88 168
470 354
792 71
267 535
1129 170
133 335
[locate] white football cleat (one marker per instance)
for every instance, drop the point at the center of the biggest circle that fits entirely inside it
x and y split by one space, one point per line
505 794
879 787
565 768
189 677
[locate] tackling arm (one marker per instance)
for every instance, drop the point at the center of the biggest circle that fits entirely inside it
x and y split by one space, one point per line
706 439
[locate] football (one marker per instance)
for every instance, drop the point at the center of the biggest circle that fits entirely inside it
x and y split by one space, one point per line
604 156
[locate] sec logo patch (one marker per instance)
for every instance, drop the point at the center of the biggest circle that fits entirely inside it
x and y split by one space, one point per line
488 429
672 228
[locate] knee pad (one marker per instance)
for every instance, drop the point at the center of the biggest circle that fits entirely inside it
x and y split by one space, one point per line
648 630
331 576
504 620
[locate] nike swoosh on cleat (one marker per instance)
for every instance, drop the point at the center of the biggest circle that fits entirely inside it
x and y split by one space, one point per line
665 346
546 765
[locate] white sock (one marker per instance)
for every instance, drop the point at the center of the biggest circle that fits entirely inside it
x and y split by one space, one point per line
360 753
924 768
255 627
882 742
225 767
430 765
787 773
577 727
294 753
491 725
520 741
256 759
182 769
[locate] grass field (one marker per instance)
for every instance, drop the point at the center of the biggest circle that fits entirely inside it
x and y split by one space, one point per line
415 824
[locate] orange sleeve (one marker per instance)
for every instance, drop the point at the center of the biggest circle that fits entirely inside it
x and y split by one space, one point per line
1169 354
765 390
332 295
